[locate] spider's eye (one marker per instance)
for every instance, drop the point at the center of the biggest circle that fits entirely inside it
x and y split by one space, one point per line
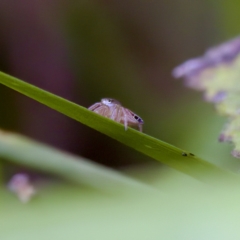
110 100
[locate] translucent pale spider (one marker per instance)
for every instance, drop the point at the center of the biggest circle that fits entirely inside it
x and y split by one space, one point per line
113 109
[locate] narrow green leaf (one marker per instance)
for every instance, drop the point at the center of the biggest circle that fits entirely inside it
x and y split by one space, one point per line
161 151
23 151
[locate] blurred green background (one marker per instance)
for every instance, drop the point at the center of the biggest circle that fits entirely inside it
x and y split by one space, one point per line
87 50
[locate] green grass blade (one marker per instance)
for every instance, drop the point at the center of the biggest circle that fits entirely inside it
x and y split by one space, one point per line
23 151
158 150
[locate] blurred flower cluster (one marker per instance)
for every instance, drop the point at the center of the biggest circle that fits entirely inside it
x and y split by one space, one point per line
217 73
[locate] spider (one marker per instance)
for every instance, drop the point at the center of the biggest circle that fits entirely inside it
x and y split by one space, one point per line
113 109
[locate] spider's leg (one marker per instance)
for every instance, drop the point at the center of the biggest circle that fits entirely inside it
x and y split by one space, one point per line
134 119
104 111
113 116
94 106
125 119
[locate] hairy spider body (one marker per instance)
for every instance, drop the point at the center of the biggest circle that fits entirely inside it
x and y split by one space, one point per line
113 109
